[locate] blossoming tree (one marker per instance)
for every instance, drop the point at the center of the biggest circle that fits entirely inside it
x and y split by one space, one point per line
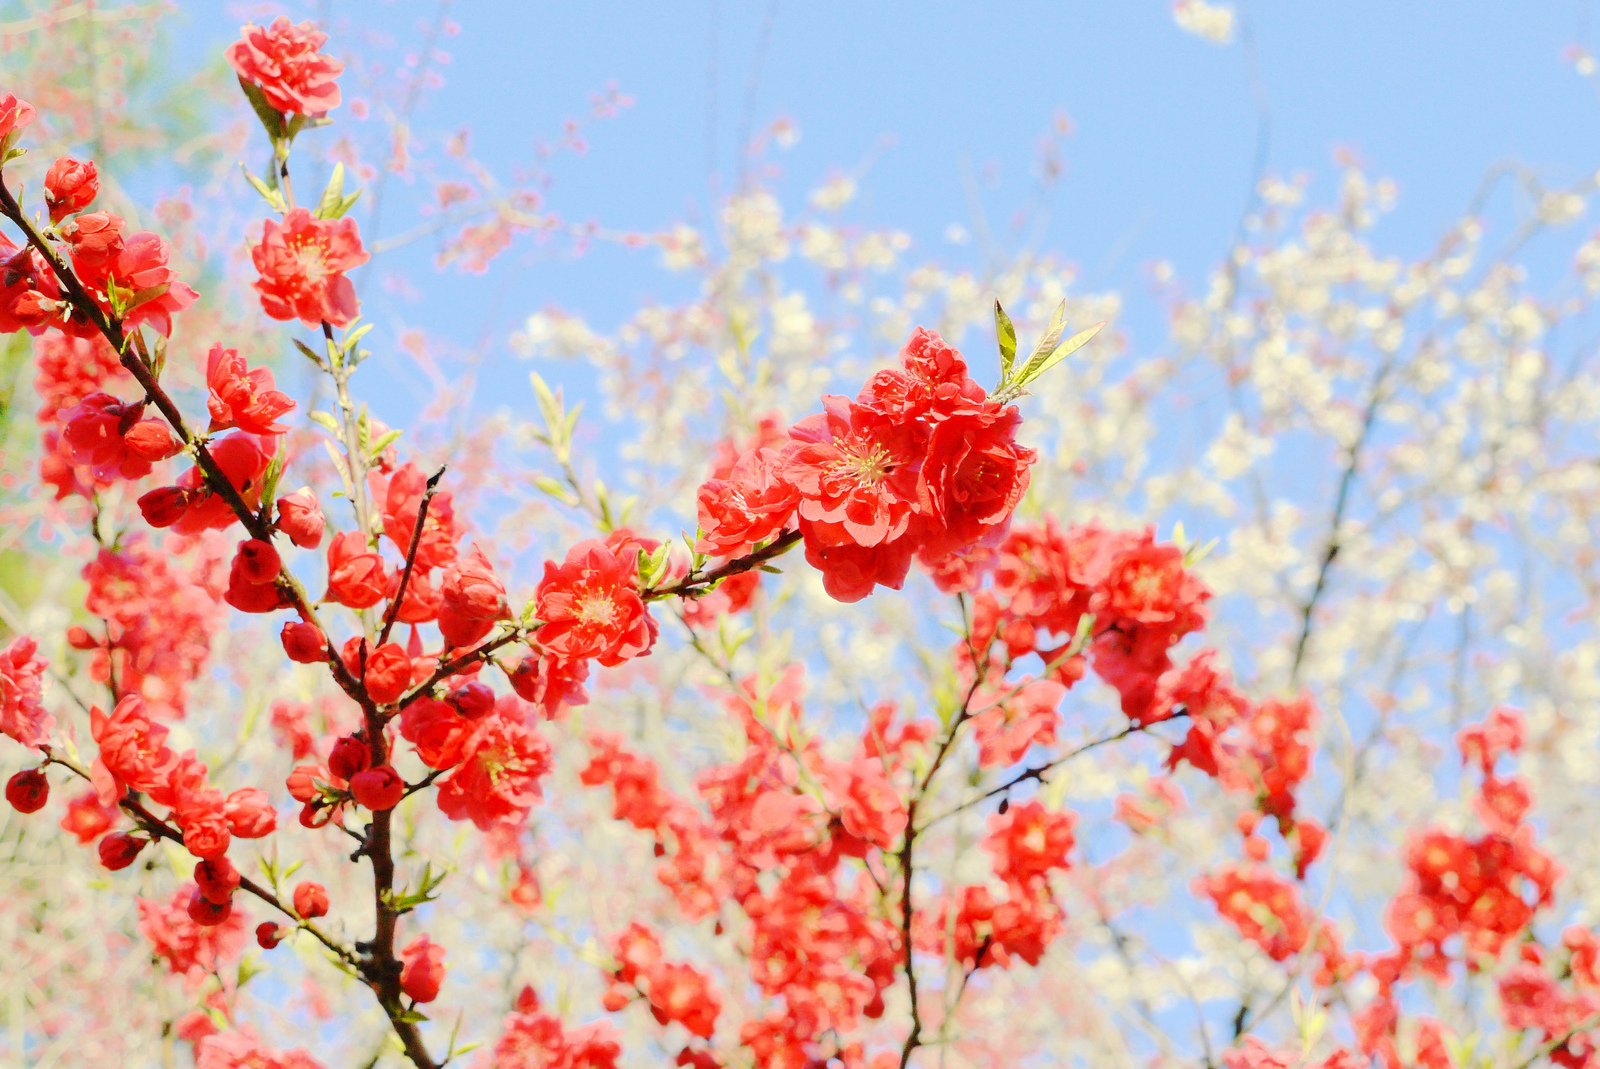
1040 818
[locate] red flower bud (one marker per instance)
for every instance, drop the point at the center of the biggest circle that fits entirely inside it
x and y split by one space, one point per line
378 788
70 186
80 639
424 970
206 913
165 506
152 440
206 834
355 574
249 813
302 782
310 900
257 561
28 791
268 935
388 673
350 755
217 879
119 849
304 642
472 700
247 596
300 517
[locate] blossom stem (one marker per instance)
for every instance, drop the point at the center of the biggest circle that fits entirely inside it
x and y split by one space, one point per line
411 556
704 580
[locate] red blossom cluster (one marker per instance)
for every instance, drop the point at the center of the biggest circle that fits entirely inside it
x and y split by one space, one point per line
921 464
533 1039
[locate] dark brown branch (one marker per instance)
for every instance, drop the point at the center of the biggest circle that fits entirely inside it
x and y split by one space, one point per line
698 581
411 556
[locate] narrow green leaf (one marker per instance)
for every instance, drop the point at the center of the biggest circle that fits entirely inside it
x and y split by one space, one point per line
272 196
1042 363
333 195
326 419
1007 333
310 353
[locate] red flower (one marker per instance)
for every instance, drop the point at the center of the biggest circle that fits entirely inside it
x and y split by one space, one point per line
28 791
300 517
437 731
249 813
870 807
850 572
14 115
378 788
752 504
388 672
70 186
472 599
681 993
241 397
174 936
402 500
856 474
355 573
304 642
190 507
590 607
424 969
134 268
87 818
302 262
109 436
498 780
1028 841
549 682
132 748
972 479
933 384
208 914
349 756
283 59
217 880
310 900
252 580
119 850
22 717
1148 584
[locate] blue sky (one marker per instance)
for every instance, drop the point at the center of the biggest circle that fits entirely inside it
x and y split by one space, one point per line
945 96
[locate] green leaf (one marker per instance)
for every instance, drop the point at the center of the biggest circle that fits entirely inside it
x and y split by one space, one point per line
311 354
271 118
411 1016
327 420
1039 364
269 482
384 442
1007 333
272 196
333 195
554 489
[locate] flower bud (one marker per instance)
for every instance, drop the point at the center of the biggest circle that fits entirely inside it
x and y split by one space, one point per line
152 440
70 186
257 561
268 935
28 791
378 788
350 755
474 700
249 813
388 673
80 639
300 517
310 900
206 913
119 849
304 642
424 969
166 505
217 880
